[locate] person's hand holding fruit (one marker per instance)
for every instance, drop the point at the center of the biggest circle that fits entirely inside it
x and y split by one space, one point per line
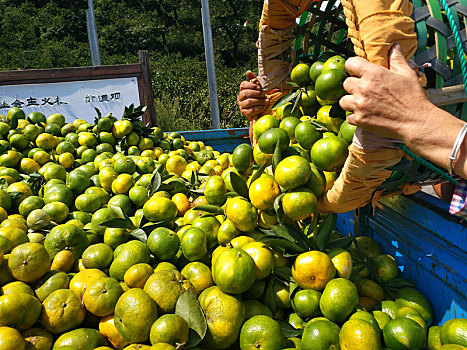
392 103
251 99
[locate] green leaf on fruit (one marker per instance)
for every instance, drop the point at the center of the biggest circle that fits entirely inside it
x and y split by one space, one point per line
288 330
188 307
239 185
284 99
117 223
213 209
325 230
140 235
282 245
269 298
258 173
343 242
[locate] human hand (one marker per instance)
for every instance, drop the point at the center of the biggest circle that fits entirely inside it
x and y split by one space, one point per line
251 98
390 102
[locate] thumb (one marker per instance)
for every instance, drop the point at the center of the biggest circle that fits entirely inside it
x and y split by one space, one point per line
250 75
397 62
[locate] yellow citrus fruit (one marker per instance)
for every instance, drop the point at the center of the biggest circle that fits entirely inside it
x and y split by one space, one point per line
62 311
135 312
176 164
170 329
292 172
28 262
158 209
101 296
80 281
182 203
224 315
262 256
122 184
108 330
37 338
122 128
137 275
262 332
359 334
339 298
342 261
19 310
199 275
263 192
241 213
313 270
10 339
46 141
299 203
165 287
234 271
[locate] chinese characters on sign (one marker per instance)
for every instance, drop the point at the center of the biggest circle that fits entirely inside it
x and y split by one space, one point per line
32 101
44 101
102 98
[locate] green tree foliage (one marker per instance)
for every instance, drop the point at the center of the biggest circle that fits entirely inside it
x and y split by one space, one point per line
52 33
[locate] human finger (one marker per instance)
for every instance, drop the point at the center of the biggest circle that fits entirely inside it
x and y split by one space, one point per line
356 66
347 103
250 75
246 94
251 113
397 61
246 85
351 84
351 119
252 102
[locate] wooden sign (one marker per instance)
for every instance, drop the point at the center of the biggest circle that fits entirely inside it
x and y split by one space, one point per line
76 92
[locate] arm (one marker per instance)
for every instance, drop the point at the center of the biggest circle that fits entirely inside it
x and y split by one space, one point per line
392 103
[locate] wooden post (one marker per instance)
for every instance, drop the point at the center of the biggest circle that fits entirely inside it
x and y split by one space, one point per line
148 94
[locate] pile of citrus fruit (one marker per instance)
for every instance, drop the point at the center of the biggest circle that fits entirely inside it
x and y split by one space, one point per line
117 236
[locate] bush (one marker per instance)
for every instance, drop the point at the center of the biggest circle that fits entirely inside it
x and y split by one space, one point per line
181 93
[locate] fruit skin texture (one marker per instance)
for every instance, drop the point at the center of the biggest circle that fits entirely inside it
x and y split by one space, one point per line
19 310
404 333
454 332
261 332
135 312
82 338
224 314
320 334
68 237
131 253
159 209
338 299
358 335
234 271
62 311
313 270
242 157
241 213
171 329
28 262
165 287
10 338
292 172
413 298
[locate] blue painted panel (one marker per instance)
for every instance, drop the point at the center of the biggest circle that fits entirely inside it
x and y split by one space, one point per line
222 140
419 237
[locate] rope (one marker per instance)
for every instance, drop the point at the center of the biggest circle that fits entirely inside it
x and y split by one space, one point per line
457 39
427 164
